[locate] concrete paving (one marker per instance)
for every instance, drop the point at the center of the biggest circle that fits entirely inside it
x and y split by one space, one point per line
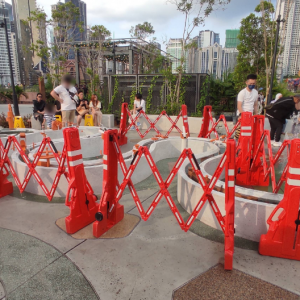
39 261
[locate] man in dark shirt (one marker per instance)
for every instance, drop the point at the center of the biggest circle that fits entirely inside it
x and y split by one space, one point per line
278 112
82 107
38 108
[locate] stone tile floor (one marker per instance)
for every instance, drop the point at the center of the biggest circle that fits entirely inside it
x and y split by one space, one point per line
39 261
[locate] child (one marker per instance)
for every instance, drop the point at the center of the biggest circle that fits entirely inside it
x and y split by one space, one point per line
49 116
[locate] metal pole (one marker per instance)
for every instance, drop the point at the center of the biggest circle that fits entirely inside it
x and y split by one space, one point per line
114 58
15 99
274 59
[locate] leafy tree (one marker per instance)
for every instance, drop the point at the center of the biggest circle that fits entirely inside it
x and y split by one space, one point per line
195 13
93 55
7 93
142 31
65 23
257 34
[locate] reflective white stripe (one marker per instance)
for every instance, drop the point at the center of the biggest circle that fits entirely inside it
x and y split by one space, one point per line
76 162
223 161
105 156
178 218
246 128
169 200
118 194
294 171
156 175
212 182
74 153
111 208
198 206
191 219
179 162
104 167
202 180
138 206
230 183
157 198
231 172
294 182
149 211
170 178
245 133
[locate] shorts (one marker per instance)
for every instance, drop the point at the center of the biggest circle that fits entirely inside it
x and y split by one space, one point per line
68 116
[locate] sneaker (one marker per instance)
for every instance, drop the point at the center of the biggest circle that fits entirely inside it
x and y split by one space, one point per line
132 128
272 142
138 124
277 144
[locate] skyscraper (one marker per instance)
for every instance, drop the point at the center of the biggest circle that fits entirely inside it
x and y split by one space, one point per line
213 60
232 40
27 33
77 35
174 48
289 60
4 62
208 38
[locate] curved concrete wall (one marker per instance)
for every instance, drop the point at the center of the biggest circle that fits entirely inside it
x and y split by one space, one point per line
94 172
250 216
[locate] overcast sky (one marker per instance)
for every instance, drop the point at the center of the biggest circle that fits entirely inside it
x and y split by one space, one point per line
119 15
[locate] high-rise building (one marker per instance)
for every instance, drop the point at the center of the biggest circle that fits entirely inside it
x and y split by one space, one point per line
174 49
27 33
208 38
4 60
289 60
232 40
77 35
14 50
213 60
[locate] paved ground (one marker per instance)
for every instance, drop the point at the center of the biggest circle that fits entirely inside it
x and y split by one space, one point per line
39 261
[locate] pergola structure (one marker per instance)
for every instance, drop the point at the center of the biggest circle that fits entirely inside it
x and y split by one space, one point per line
128 51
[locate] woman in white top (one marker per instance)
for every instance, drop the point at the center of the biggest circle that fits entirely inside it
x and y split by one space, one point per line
138 105
95 106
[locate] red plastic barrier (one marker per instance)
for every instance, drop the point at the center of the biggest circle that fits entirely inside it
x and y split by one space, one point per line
6 186
208 120
110 212
251 158
272 161
125 112
5 164
123 122
83 206
227 162
283 236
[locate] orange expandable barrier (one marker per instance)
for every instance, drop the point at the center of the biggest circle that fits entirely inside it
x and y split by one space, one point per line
283 236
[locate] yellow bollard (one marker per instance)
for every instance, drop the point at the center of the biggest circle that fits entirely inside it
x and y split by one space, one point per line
58 117
19 122
88 120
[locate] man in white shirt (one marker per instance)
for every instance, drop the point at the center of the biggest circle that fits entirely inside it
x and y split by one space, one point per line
66 94
247 100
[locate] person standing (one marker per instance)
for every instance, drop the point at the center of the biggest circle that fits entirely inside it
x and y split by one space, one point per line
278 112
247 100
66 95
39 108
96 106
